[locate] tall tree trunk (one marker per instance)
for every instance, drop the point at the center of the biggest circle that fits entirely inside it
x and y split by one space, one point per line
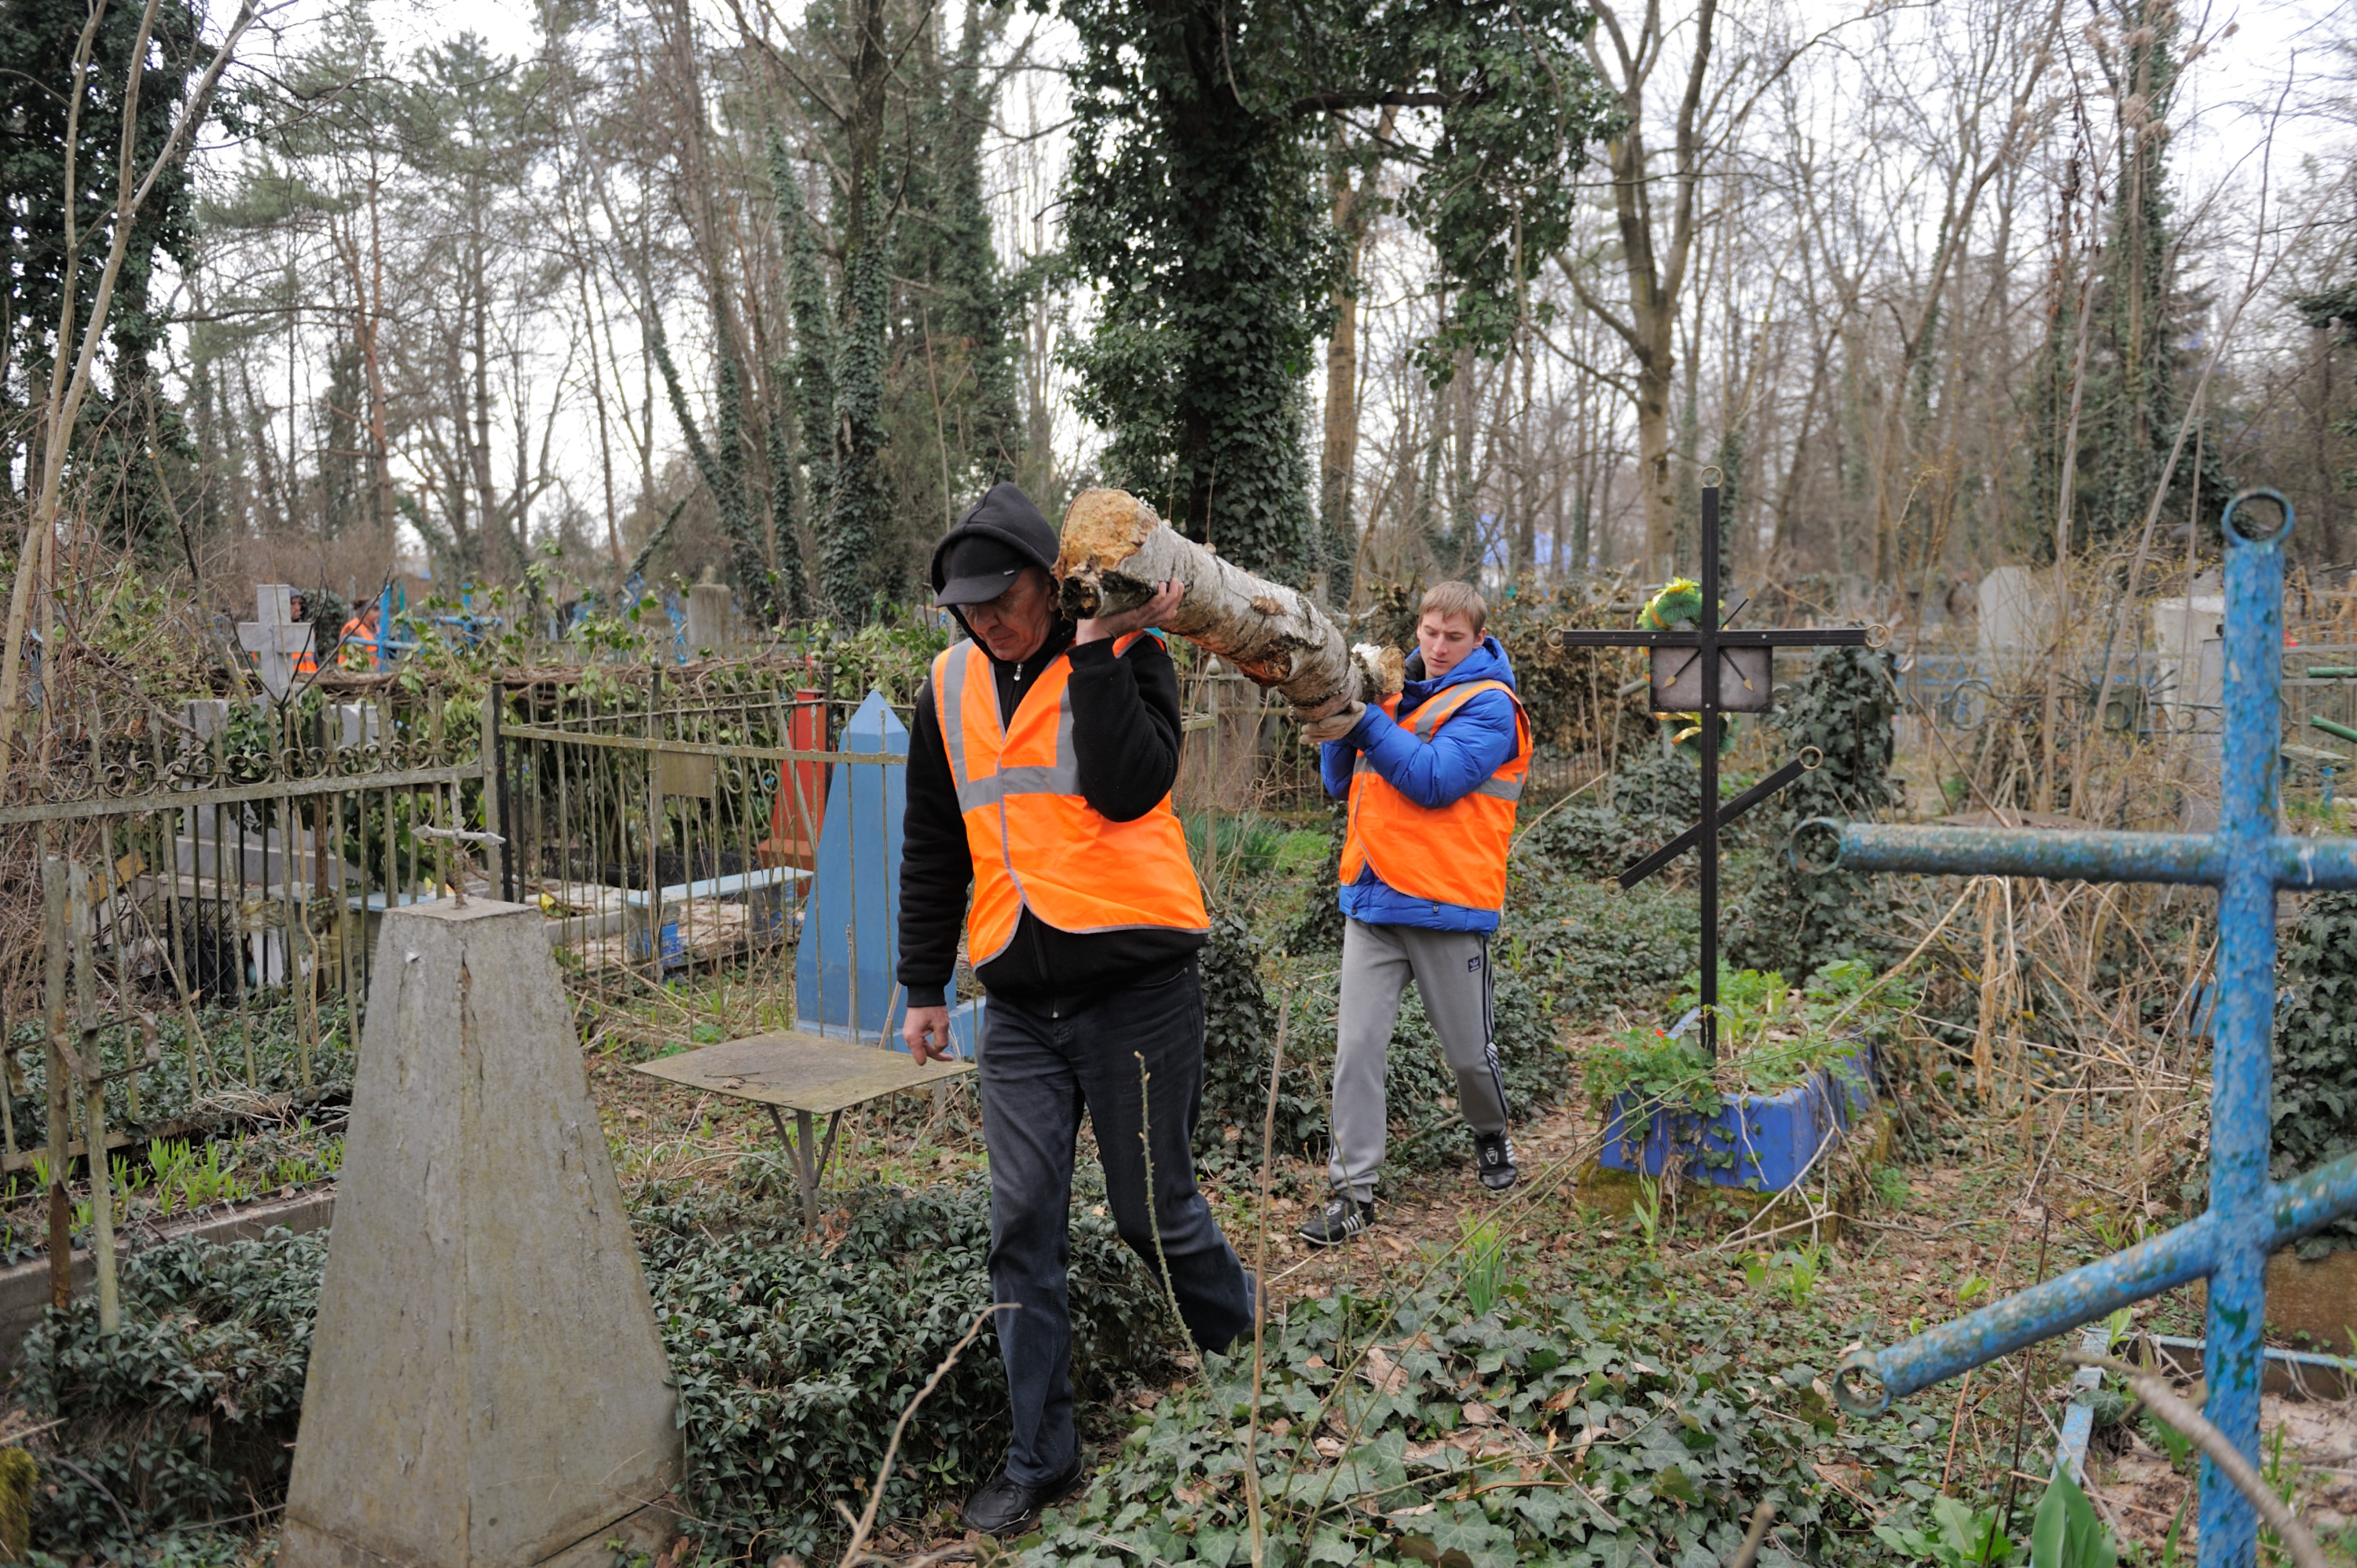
1648 323
1353 208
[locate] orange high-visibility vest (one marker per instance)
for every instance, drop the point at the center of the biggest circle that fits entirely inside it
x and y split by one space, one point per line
358 649
1453 853
1036 843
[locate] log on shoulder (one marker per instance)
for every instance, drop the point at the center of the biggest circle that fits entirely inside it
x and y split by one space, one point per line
1116 552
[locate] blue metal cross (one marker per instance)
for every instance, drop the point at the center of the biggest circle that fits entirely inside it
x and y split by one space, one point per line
2248 1217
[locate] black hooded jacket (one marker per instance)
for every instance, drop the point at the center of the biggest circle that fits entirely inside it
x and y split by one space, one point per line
1125 735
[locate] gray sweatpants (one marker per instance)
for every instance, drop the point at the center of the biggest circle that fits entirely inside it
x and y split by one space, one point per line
1451 971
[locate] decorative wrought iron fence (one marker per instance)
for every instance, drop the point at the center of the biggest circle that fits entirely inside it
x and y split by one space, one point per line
230 862
678 836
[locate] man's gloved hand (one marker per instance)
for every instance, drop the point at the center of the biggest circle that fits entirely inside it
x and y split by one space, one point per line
1336 725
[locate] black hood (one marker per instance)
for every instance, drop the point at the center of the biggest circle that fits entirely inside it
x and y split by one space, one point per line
1004 513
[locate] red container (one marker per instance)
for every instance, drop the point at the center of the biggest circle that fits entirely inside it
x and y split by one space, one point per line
799 805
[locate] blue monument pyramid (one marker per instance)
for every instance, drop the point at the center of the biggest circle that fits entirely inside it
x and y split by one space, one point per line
846 967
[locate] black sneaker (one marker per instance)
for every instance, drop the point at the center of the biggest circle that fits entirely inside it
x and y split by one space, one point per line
1005 1507
1342 1219
1493 1156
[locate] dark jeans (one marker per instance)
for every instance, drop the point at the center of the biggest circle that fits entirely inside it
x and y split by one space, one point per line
1042 1061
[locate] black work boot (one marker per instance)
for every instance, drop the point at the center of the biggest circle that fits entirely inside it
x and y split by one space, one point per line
1003 1507
1493 1156
1342 1218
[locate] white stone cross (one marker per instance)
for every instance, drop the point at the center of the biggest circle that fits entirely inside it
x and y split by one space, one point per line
275 637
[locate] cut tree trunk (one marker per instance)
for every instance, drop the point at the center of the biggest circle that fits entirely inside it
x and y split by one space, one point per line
1117 552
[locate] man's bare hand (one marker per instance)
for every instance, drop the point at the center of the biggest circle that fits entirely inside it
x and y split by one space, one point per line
926 1032
1153 612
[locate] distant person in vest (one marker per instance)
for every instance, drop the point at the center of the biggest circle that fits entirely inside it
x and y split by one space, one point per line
1432 776
307 661
1039 772
356 650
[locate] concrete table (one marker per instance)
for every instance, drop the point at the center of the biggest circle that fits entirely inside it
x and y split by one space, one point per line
808 1076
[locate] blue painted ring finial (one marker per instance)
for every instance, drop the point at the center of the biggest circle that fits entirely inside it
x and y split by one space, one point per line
2234 536
1809 847
1847 1393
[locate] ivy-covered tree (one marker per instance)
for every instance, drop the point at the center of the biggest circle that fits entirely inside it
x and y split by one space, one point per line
2335 309
128 417
2136 377
720 463
1196 206
812 367
857 564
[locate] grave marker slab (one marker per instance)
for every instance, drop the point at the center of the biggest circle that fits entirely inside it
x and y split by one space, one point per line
487 1387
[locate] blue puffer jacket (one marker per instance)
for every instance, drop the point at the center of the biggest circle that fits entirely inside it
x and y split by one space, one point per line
1474 744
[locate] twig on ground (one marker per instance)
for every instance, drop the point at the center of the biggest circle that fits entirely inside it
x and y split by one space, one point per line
867 1520
1260 1287
1748 1553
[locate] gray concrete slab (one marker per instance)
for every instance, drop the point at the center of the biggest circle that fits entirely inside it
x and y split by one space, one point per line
487 1386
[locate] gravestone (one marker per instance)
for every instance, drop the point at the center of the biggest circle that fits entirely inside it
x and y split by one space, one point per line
845 971
711 618
487 1388
2015 622
275 637
2189 669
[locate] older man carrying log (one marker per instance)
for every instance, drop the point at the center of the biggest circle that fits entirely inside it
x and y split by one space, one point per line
1039 773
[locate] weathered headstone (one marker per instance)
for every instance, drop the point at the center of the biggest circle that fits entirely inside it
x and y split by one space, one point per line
2017 617
2189 639
845 971
487 1385
711 618
275 637
2190 669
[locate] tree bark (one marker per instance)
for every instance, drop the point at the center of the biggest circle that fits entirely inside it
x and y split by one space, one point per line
1339 457
1657 275
1117 552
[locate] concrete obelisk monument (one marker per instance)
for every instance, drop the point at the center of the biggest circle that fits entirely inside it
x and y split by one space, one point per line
487 1386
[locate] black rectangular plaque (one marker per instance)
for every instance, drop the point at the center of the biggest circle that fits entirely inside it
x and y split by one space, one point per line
1746 679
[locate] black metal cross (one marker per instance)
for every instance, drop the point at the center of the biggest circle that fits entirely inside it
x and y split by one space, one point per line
1724 655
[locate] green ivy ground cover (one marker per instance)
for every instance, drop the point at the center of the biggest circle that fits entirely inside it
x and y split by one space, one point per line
1626 1420
792 1359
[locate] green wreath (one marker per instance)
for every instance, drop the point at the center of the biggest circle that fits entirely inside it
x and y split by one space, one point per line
1680 603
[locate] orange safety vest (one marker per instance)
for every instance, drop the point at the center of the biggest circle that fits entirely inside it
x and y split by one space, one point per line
358 648
1451 854
1036 843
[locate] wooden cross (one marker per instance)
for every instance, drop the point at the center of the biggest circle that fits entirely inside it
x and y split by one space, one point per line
1708 670
275 637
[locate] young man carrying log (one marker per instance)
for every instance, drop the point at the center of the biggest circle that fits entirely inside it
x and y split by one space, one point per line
1432 776
1040 771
